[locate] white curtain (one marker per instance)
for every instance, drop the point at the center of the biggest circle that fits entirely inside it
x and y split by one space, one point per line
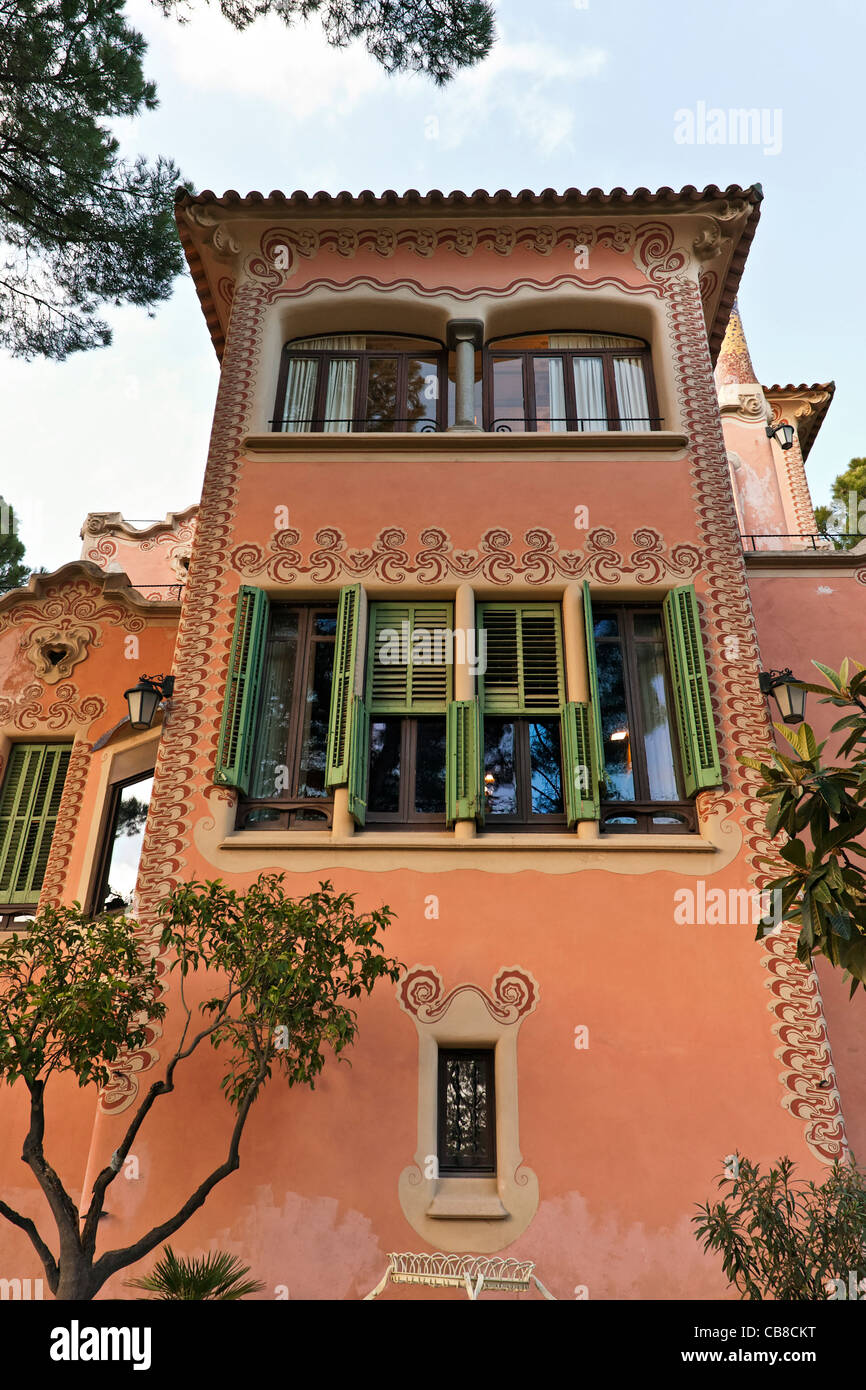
656 722
589 340
589 393
303 377
556 389
631 393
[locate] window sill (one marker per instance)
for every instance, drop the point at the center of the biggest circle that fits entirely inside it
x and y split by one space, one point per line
446 839
467 1199
474 442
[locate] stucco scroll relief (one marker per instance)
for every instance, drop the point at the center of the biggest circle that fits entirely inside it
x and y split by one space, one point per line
496 557
481 1213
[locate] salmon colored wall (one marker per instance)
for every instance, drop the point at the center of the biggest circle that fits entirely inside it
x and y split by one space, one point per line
683 1065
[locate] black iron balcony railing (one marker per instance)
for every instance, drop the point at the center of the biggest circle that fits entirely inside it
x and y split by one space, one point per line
173 591
574 423
385 425
504 424
811 540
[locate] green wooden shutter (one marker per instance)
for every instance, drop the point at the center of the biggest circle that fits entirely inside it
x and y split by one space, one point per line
343 687
410 658
579 776
359 759
695 723
464 782
595 712
522 664
29 804
240 705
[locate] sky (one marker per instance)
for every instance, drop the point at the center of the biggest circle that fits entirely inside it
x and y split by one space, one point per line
573 95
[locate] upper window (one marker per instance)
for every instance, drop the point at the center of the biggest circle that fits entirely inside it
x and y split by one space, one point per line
552 382
641 766
29 804
409 670
522 691
289 724
127 818
362 381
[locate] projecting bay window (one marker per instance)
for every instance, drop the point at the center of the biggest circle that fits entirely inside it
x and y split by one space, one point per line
274 732
553 382
362 382
29 805
655 734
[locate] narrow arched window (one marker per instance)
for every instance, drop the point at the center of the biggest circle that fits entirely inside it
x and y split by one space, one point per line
553 382
361 381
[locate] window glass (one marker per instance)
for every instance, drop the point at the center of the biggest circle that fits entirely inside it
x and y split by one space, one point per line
381 407
383 793
545 767
422 393
550 407
127 838
317 707
658 749
430 763
508 392
276 695
466 1111
616 734
500 778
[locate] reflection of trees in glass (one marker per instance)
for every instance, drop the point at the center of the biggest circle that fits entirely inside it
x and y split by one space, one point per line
131 816
501 794
382 391
546 767
421 402
466 1109
430 758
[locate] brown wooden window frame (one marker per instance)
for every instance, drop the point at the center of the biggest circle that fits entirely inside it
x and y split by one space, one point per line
289 806
525 819
642 809
10 911
483 1164
641 349
357 422
406 814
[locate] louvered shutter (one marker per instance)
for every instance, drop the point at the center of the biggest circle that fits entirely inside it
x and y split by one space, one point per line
410 658
579 777
359 759
240 704
594 698
521 658
695 722
29 804
340 731
464 782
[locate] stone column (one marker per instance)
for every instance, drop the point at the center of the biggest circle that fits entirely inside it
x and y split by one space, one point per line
464 337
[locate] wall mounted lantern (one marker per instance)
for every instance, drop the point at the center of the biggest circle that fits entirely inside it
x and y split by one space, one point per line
143 699
786 691
783 435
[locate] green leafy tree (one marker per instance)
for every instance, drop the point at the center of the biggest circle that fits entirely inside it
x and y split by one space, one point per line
75 994
781 1237
13 572
79 226
821 809
435 37
845 521
216 1276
